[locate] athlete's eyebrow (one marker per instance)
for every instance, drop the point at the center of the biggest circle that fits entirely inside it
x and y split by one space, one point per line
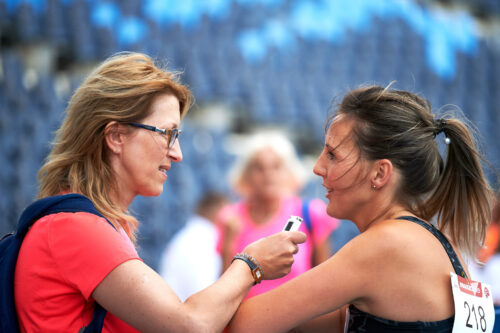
329 147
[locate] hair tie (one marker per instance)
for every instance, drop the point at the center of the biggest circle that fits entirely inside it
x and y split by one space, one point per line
439 125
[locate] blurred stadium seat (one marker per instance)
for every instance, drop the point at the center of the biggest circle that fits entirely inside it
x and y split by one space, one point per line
275 62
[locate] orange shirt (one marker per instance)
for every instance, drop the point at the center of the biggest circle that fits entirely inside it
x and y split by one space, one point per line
62 260
491 242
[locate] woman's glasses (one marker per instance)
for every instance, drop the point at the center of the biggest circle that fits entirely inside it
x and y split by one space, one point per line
169 134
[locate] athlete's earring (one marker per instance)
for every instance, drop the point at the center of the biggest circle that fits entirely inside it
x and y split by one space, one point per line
374 187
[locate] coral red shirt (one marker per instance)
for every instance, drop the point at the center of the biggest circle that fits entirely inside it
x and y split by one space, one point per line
62 260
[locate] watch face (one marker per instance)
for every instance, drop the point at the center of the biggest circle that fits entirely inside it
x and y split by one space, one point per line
257 273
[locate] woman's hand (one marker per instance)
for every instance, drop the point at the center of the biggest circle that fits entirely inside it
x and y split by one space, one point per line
275 253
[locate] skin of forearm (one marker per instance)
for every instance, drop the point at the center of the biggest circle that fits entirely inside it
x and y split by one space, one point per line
322 252
214 306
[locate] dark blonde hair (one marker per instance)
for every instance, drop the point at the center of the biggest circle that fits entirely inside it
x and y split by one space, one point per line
121 89
399 126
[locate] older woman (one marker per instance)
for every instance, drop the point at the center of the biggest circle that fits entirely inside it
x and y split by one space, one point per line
119 140
382 169
267 176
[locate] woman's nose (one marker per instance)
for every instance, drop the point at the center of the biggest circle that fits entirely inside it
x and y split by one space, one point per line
318 169
175 153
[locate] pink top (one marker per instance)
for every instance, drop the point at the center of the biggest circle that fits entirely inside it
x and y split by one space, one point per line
322 226
62 260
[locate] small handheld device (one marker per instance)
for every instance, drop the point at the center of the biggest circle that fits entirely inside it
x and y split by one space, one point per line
293 223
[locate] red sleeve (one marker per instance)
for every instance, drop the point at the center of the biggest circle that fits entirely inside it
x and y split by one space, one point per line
86 248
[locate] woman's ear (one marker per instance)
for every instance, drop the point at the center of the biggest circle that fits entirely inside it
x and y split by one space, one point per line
382 173
113 137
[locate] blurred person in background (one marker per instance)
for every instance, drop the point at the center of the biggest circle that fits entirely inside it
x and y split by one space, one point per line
268 175
487 268
190 262
492 240
382 169
118 140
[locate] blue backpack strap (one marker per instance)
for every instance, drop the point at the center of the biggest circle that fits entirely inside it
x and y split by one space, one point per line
95 326
66 203
306 216
11 244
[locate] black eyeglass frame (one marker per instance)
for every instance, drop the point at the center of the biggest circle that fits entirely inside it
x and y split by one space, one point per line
171 134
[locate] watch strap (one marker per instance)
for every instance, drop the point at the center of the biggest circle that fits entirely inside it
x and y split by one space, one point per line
254 266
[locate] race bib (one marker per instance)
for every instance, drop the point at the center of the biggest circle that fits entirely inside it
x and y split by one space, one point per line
474 310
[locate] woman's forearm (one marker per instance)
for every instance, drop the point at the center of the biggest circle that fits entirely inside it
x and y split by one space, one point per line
215 305
139 296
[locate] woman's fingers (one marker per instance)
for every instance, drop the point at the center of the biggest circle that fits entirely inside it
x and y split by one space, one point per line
275 253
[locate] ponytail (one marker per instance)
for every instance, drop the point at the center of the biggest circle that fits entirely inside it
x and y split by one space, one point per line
462 199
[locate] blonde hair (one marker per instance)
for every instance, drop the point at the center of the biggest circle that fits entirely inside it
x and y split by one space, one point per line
399 126
267 139
120 89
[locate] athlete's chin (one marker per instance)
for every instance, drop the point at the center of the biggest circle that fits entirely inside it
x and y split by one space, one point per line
333 211
330 210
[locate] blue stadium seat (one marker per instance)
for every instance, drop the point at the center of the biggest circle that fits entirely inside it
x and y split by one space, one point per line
131 32
197 77
13 71
83 46
27 23
53 23
5 20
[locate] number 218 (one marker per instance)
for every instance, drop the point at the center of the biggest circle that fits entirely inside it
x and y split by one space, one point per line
480 311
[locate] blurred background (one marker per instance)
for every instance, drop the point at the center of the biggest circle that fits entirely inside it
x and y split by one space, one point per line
250 64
